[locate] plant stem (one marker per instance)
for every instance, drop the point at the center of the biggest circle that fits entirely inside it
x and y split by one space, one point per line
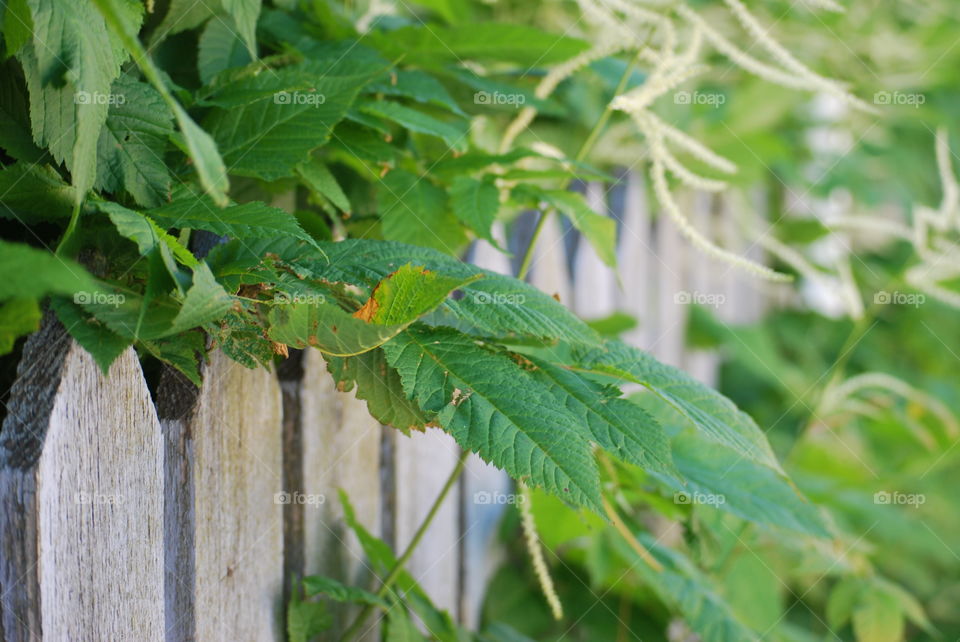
66 241
585 148
405 557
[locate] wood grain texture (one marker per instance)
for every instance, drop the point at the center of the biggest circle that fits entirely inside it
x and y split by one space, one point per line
423 462
223 521
341 445
81 498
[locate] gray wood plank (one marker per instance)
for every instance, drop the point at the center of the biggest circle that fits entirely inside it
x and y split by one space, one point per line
81 498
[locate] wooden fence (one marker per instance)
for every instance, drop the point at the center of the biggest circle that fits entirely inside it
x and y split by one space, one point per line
184 515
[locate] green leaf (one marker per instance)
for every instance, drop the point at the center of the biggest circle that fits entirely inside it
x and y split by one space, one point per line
17 25
148 236
220 48
843 599
31 193
397 301
183 15
327 327
414 210
248 221
69 68
712 473
416 85
206 301
476 203
878 618
132 144
434 46
686 589
318 178
400 628
245 14
377 383
196 142
26 272
103 344
599 230
493 406
453 134
17 318
329 587
306 620
408 293
495 305
618 426
295 109
715 416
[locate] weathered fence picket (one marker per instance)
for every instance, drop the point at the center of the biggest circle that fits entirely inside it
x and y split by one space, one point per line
223 527
81 498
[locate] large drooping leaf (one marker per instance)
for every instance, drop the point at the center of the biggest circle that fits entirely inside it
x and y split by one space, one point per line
31 193
713 473
132 144
248 221
378 384
69 67
453 134
493 406
329 587
710 412
505 42
687 589
397 301
26 272
414 210
294 108
475 202
494 305
617 425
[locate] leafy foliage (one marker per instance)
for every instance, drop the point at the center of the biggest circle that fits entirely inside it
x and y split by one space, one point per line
298 181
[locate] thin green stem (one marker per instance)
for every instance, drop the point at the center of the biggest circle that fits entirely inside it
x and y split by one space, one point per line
585 148
394 573
66 241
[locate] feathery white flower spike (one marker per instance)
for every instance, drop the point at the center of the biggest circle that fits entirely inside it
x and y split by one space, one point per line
536 552
827 5
667 202
948 181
